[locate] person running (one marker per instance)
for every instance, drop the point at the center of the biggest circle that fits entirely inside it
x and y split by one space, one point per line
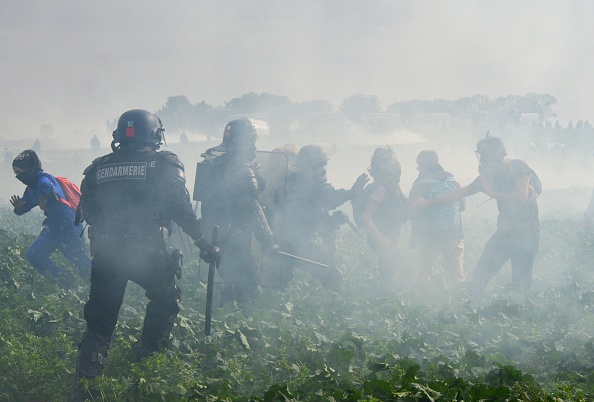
59 231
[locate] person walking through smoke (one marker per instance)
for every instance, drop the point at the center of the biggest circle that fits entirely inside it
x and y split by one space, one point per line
513 184
59 231
437 230
129 198
95 143
231 202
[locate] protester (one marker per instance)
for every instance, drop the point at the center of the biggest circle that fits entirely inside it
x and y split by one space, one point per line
59 231
437 231
509 182
382 210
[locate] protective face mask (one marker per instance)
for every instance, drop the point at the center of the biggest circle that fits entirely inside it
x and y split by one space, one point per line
26 176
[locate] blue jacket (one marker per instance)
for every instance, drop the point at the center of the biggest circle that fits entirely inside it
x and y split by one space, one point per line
46 186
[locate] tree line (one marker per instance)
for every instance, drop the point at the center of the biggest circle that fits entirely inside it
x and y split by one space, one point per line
287 118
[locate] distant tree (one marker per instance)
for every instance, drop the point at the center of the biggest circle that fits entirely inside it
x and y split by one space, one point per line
587 125
548 124
302 111
256 103
557 125
570 125
357 107
176 114
313 106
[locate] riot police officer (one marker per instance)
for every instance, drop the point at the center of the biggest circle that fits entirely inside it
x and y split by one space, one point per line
234 185
129 198
310 200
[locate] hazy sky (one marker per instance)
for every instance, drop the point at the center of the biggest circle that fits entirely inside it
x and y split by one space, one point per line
76 64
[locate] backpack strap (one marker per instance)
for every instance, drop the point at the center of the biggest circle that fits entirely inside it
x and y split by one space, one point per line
426 181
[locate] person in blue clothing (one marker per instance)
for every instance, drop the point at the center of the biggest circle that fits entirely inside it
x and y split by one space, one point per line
59 231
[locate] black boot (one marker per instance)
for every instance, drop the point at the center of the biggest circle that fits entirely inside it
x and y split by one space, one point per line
92 352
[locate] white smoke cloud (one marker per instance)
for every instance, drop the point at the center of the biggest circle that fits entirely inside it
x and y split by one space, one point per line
75 65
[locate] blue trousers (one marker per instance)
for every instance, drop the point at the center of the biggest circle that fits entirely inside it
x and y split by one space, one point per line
63 238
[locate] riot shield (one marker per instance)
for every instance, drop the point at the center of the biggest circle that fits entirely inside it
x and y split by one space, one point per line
204 191
274 170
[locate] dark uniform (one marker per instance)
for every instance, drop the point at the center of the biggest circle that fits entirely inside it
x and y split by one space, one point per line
232 204
310 199
129 198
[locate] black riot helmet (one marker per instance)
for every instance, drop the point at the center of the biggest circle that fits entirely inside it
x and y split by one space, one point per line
312 160
239 140
240 133
139 126
311 157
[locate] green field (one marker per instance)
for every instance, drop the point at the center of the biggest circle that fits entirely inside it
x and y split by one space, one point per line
310 343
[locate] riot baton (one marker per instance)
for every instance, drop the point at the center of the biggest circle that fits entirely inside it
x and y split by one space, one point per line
210 285
319 264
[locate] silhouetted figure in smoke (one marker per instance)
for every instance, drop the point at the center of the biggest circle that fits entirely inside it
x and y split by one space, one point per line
382 212
95 143
36 145
183 138
59 231
7 157
437 231
517 238
129 198
232 204
310 198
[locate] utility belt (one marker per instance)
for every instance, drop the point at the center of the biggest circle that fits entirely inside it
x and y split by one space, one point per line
102 239
139 243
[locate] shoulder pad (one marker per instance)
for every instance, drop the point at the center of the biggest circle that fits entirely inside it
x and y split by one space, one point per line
95 162
172 166
170 158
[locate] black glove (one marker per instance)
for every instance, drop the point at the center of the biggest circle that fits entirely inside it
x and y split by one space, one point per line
208 252
359 184
211 254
